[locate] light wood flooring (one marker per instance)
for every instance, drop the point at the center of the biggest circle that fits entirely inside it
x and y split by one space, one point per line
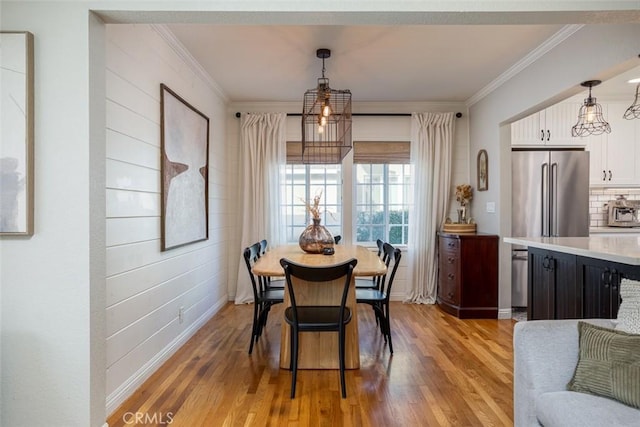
444 372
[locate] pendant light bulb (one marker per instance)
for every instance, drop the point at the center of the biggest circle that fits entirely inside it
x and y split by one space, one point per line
326 110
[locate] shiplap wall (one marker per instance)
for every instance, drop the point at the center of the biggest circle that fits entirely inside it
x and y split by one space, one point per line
147 287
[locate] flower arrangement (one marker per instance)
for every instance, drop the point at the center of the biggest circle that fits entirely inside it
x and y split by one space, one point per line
314 209
464 194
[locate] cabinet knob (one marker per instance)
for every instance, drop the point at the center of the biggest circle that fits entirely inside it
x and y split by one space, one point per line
609 175
450 244
604 175
450 260
541 134
450 294
450 276
548 135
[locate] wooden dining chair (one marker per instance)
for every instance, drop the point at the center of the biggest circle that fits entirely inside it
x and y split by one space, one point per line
263 297
372 282
332 316
379 299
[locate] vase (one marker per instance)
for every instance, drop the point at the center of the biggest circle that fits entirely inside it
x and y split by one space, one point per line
462 215
315 238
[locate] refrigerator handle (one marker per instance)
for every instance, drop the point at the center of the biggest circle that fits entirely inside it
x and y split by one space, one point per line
545 200
554 200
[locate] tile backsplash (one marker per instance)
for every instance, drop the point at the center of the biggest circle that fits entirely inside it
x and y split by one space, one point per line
598 198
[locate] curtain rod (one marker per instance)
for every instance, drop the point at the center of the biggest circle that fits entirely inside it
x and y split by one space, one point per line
458 114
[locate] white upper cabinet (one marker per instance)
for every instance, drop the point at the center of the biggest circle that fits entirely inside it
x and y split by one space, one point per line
549 127
615 157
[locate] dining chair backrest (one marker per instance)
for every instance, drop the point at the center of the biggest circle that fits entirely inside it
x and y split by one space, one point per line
263 247
318 276
336 239
380 244
251 255
392 257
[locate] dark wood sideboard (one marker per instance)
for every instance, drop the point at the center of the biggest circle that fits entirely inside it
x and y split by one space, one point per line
468 275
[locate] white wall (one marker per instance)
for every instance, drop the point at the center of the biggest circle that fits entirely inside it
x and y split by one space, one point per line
51 284
365 128
145 288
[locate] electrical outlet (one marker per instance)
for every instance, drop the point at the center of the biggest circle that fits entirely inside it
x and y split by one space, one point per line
181 314
491 207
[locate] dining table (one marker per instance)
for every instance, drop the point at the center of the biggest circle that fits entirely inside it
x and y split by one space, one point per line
319 350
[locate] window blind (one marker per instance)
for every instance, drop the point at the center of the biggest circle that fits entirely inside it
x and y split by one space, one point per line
363 152
381 151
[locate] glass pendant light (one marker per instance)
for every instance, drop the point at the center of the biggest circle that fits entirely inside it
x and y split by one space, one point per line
590 118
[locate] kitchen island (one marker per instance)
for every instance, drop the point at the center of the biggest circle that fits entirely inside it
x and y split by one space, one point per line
578 277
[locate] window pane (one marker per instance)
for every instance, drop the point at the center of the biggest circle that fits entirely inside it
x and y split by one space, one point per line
303 183
383 196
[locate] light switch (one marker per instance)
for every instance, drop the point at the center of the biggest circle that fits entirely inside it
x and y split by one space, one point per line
491 207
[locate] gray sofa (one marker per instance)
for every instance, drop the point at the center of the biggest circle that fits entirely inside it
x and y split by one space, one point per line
545 357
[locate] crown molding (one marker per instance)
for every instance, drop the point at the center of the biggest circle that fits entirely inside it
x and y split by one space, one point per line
188 59
564 33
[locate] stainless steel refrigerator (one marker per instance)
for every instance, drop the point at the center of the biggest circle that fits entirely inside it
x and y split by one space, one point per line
550 197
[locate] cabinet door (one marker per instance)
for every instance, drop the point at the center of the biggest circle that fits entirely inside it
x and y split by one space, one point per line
568 290
601 283
597 148
541 286
559 119
554 292
621 147
528 131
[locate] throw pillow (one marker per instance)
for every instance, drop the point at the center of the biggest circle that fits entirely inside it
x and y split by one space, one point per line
608 364
629 311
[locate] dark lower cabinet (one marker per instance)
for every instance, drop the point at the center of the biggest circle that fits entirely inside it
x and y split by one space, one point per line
565 286
601 282
468 275
554 292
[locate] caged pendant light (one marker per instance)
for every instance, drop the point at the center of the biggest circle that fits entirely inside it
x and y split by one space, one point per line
326 121
590 119
633 112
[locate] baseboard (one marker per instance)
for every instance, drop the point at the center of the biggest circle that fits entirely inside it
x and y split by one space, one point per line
126 389
504 313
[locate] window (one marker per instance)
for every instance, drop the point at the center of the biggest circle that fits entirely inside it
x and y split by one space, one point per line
382 178
302 183
383 198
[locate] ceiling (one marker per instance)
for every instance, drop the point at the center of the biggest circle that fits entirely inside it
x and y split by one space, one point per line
377 63
383 63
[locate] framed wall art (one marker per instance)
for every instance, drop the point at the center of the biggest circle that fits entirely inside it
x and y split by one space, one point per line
185 166
16 134
483 171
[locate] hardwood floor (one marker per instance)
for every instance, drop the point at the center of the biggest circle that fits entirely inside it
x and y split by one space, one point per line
444 372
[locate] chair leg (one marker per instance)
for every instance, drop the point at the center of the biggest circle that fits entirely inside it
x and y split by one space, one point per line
388 322
294 361
341 345
254 326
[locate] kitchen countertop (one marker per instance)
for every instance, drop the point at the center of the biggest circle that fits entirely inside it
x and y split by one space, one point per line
623 249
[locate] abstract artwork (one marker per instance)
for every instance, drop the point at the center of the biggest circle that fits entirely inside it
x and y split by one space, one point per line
16 134
185 165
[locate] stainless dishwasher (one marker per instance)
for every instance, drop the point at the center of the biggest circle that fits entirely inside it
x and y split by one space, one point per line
519 277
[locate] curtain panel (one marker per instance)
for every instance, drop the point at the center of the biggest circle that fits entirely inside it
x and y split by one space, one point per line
431 154
261 172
